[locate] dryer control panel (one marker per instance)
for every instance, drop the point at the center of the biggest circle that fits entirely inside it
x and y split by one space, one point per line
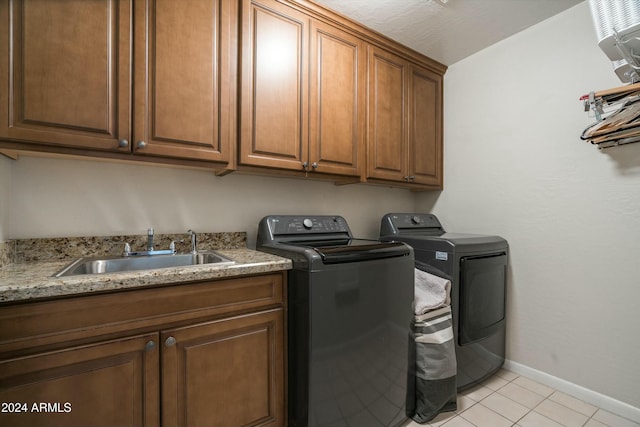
395 223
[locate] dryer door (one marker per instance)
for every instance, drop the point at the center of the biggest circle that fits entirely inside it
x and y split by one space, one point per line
483 282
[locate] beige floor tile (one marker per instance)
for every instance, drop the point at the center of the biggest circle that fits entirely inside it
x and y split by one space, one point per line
481 416
573 403
505 406
464 403
521 395
442 418
495 383
533 419
561 414
534 386
458 422
478 393
594 423
507 375
613 420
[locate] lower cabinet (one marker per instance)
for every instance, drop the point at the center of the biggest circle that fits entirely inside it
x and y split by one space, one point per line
226 371
113 383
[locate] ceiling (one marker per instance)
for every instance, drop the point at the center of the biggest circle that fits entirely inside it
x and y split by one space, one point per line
448 30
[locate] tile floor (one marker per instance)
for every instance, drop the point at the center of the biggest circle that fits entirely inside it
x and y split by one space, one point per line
508 399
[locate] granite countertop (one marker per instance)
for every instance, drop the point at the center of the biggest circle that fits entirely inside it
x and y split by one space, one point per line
31 278
34 280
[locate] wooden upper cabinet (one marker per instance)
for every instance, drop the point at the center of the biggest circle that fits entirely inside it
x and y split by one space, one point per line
425 127
405 121
303 92
67 64
388 96
274 77
70 65
337 101
184 78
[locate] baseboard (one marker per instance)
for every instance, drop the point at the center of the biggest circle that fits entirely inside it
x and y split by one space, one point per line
593 397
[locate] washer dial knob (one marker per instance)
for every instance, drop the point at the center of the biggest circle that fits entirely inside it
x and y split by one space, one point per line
416 219
307 223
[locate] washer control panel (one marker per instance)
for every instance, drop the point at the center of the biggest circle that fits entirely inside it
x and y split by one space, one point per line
308 225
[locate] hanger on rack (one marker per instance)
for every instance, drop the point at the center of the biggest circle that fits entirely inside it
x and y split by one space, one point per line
614 93
619 127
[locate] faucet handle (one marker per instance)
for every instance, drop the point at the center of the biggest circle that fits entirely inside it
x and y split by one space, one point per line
127 249
194 241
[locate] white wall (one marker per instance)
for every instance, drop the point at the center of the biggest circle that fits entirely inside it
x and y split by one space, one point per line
515 167
60 197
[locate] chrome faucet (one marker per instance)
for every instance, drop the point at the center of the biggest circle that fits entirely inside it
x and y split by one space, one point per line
150 239
194 242
150 251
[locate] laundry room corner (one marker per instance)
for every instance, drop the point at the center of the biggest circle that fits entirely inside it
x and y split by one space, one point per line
569 211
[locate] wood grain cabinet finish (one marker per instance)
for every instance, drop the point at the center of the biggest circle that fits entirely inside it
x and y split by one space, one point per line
303 92
65 67
425 127
224 373
152 77
185 78
405 121
204 353
112 383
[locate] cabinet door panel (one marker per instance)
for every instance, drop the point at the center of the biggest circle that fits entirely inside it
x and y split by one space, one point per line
69 75
183 93
426 127
225 373
108 384
337 100
387 139
273 83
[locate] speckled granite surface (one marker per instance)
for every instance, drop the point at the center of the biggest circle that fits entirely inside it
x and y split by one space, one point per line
28 250
31 263
6 253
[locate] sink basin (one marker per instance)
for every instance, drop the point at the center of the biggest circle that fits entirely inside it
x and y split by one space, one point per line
123 264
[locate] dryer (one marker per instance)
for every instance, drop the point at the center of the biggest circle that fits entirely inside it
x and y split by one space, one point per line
477 267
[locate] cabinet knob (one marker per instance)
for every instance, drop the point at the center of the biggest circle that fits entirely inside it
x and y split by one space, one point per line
314 165
170 342
123 143
305 165
141 144
411 177
150 345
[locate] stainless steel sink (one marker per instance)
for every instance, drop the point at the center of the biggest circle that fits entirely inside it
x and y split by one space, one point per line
122 264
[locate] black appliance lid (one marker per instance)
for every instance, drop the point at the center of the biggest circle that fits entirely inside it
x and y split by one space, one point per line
349 250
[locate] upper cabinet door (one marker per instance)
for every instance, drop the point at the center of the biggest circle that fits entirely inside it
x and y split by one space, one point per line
67 64
387 138
274 80
185 78
337 101
425 127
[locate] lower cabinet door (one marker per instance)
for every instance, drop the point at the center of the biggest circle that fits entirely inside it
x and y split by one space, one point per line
113 383
225 373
